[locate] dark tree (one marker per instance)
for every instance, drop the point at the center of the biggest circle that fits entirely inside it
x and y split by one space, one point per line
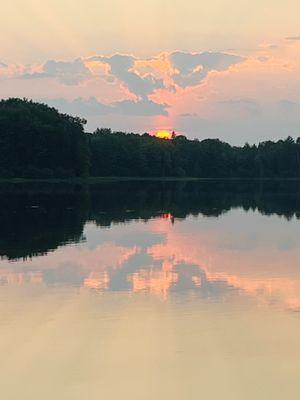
37 141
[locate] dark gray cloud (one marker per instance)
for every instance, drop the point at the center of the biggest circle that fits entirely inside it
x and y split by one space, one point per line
120 67
66 72
92 107
296 38
194 67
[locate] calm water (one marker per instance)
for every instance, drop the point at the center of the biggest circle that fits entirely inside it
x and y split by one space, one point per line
150 291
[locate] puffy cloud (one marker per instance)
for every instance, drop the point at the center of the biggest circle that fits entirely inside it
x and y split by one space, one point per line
192 68
122 67
66 72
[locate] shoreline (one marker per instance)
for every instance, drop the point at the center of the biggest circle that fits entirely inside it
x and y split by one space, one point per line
95 180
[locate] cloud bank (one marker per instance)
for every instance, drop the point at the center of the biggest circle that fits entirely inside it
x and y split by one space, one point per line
144 84
235 97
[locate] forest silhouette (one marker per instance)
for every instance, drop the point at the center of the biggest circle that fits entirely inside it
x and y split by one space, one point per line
37 141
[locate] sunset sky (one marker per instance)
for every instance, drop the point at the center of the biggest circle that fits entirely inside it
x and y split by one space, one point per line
227 69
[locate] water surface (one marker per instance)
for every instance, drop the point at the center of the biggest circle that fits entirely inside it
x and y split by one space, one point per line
159 290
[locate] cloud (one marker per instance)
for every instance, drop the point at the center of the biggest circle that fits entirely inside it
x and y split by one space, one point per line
143 107
66 72
242 105
188 115
121 67
245 105
141 77
295 38
263 59
238 102
192 68
92 107
269 46
288 106
80 107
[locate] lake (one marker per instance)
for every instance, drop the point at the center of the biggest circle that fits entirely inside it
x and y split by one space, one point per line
150 290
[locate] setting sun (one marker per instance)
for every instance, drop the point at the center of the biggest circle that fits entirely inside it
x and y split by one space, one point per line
164 134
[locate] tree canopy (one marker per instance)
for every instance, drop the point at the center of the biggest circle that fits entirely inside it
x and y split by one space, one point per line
38 141
128 154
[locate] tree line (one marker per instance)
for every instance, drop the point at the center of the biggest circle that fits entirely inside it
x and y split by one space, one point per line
36 141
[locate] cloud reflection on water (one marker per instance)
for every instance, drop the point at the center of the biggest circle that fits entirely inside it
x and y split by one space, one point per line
207 256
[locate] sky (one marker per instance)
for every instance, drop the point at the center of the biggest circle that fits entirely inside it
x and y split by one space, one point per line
220 69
